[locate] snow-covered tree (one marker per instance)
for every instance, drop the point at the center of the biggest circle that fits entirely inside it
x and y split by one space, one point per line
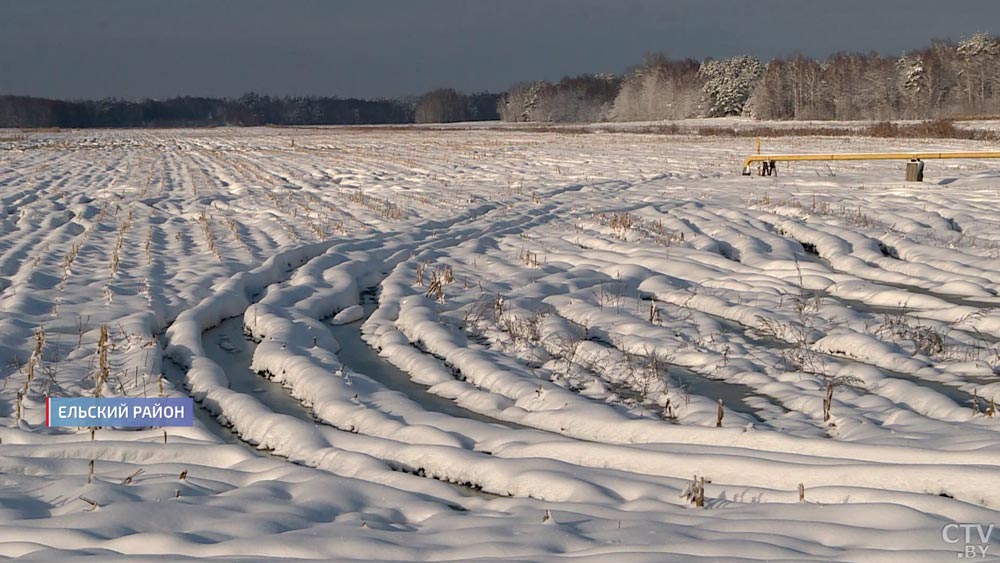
928 82
584 98
912 78
979 55
728 84
520 101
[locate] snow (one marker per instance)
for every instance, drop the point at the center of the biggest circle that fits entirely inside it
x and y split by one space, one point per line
556 318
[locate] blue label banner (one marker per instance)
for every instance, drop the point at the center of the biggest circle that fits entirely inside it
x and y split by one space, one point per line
122 412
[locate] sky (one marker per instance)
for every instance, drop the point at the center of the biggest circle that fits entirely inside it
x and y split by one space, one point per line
76 49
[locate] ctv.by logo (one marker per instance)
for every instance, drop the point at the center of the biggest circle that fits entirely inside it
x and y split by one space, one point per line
974 539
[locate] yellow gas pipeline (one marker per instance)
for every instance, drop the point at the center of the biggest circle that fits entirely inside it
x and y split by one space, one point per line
770 159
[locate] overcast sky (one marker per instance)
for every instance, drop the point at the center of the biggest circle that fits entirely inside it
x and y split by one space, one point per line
374 48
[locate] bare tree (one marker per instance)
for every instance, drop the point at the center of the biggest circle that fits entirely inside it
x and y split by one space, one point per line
441 106
659 88
584 98
772 97
979 56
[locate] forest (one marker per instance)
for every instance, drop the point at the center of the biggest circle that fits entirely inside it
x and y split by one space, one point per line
247 110
947 79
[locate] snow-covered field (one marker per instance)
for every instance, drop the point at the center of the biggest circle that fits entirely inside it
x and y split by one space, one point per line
498 344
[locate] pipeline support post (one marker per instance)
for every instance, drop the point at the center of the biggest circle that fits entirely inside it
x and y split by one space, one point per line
915 170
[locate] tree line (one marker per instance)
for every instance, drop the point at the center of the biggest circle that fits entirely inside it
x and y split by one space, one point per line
947 79
249 109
